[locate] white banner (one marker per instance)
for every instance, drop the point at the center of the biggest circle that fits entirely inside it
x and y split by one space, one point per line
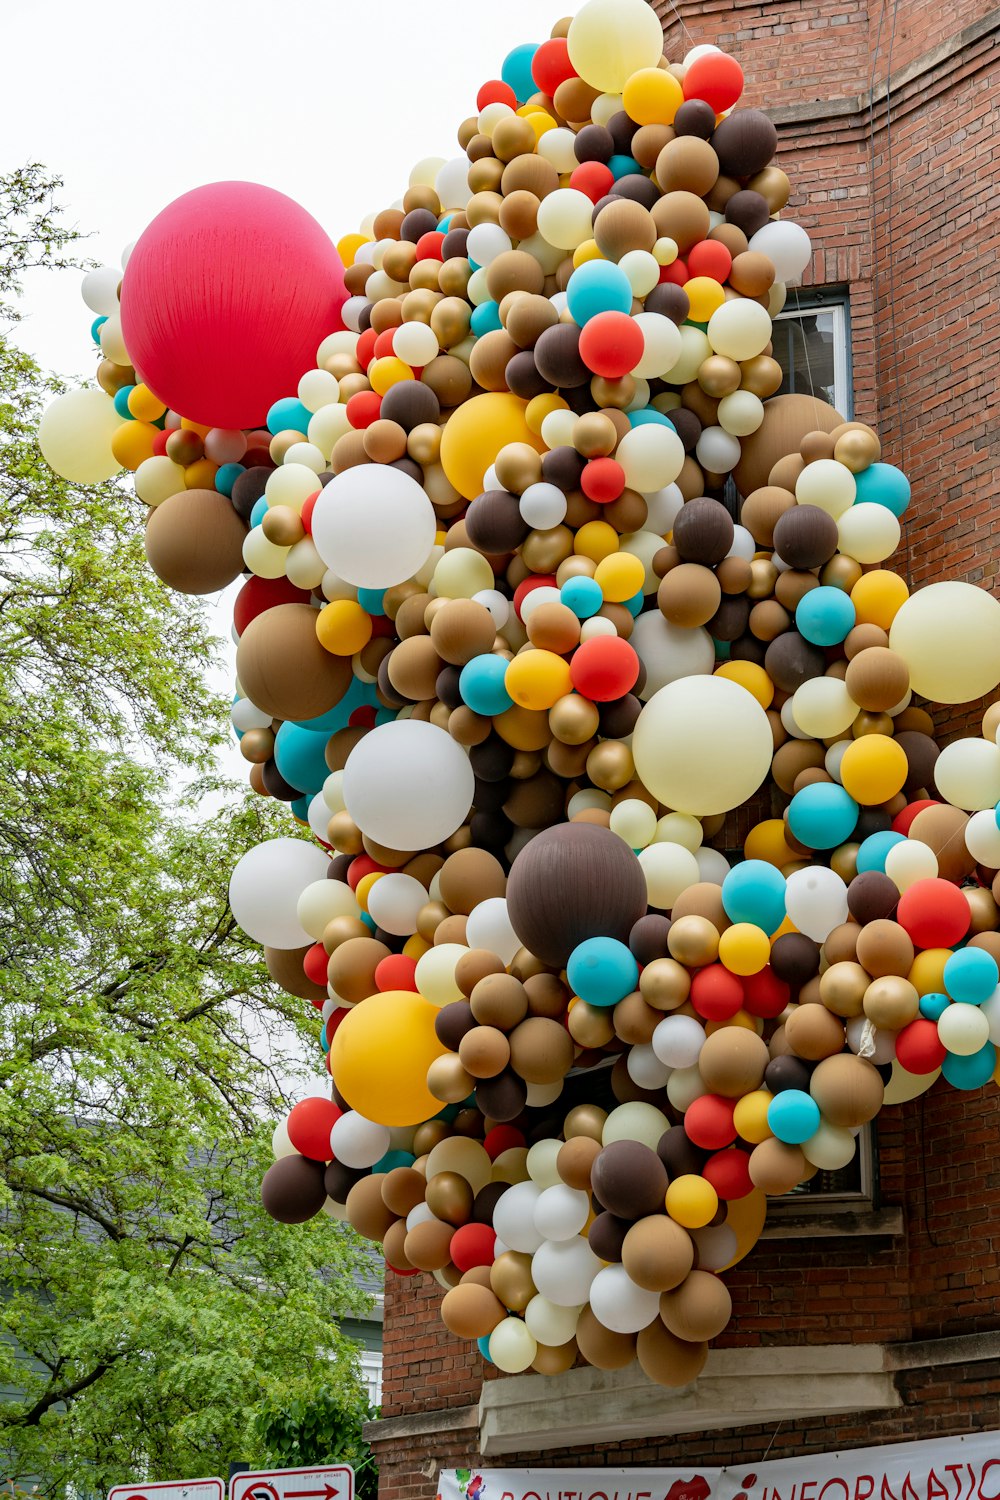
947 1468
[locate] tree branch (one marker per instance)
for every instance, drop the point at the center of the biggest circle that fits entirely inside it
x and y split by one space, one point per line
34 1414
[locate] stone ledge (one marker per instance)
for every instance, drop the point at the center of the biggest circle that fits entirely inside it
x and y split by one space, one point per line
833 1224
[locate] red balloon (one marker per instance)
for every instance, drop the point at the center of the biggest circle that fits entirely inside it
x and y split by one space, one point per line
314 965
903 821
430 245
365 352
935 913
592 178
362 717
603 480
551 66
309 1125
604 668
709 258
919 1048
611 344
496 92
473 1245
715 77
360 866
258 594
501 1138
226 298
383 344
396 973
363 409
715 993
764 994
677 272
729 1173
708 1122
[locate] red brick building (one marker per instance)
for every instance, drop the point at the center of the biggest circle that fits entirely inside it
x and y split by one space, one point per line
876 1318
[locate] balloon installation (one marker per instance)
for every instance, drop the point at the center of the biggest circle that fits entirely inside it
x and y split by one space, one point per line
542 579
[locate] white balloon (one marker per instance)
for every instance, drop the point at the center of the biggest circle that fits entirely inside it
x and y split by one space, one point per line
816 901
394 902
713 867
663 507
514 1218
678 1040
963 1029
542 1160
635 1121
358 1142
280 1144
246 715
99 290
265 887
452 183
684 1086
563 1270
967 774
716 1247
489 927
786 245
830 1148
982 839
669 652
651 455
661 340
408 784
374 525
561 1212
618 1304
486 242
542 506
670 869
646 1069
321 902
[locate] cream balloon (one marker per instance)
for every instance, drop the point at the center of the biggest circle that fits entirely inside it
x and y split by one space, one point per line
948 634
609 40
75 436
683 741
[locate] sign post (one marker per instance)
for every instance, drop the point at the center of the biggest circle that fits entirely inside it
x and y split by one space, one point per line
327 1482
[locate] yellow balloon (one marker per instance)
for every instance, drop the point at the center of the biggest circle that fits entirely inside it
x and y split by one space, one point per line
343 627
75 436
538 679
132 444
691 1201
652 97
745 1217
744 949
380 1056
873 769
386 372
475 433
752 677
767 841
596 540
621 576
878 597
750 1116
349 245
705 295
927 972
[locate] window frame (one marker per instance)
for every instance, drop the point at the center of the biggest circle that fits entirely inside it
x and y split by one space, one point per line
835 300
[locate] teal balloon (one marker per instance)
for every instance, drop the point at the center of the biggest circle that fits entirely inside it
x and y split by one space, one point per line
971 976
970 1072
874 849
300 755
595 287
754 891
794 1116
288 414
516 71
822 816
933 1006
883 484
825 616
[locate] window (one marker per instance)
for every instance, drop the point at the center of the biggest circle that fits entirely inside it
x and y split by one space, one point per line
371 1373
811 344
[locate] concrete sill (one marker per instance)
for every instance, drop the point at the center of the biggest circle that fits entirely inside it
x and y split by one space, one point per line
845 1223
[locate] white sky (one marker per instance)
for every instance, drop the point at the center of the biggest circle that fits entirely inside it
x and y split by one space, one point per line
330 103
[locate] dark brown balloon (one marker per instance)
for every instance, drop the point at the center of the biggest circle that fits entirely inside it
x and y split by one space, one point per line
629 1179
292 1190
194 542
791 660
570 882
872 896
703 531
744 142
557 356
805 536
283 669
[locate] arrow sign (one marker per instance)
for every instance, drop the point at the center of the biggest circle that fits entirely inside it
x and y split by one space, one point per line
328 1482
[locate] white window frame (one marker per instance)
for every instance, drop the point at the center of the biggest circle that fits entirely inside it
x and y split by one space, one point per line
835 304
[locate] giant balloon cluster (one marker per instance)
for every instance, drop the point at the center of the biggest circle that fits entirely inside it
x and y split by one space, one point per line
511 649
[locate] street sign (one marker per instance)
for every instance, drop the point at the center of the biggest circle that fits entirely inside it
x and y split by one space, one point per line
171 1489
329 1482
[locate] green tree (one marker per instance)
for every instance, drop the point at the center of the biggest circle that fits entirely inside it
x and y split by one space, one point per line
325 1427
148 1307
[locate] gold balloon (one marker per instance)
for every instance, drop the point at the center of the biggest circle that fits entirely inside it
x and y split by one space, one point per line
693 941
610 765
665 984
510 1278
448 1081
449 1197
891 1002
586 1120
574 720
719 376
842 988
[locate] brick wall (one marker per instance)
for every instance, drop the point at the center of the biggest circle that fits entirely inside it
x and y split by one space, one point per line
925 323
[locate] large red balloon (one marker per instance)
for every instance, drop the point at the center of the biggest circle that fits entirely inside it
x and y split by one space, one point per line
226 298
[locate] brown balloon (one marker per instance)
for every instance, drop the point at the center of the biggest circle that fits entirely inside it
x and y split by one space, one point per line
776 1168
668 1360
366 1210
787 419
283 669
292 1189
813 1032
570 882
602 1348
657 1253
698 1309
732 1062
427 1245
848 1090
510 1278
402 1190
194 541
471 1312
285 967
541 1051
449 1198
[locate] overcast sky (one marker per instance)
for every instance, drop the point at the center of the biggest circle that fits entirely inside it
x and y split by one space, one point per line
329 102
